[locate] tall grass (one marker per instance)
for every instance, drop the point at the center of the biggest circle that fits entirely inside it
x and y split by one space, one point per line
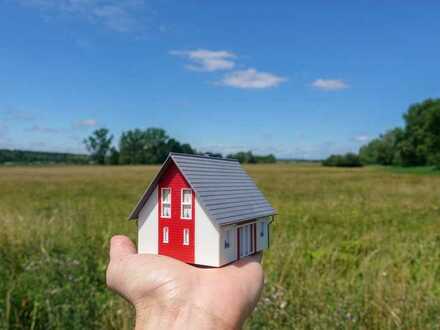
350 248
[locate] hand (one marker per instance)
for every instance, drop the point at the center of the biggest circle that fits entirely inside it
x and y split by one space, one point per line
169 294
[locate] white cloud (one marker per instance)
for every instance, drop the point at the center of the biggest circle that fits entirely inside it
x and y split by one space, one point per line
361 138
86 123
251 79
330 84
211 60
120 16
207 60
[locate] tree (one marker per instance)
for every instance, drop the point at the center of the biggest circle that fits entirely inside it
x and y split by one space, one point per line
244 157
40 157
187 149
369 153
383 150
175 146
347 160
156 148
132 147
114 156
417 144
421 138
98 144
249 158
150 146
213 154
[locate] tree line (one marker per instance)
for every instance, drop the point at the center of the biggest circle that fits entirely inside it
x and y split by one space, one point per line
415 144
150 146
24 157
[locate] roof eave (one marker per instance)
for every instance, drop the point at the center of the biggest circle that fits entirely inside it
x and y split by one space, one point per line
248 218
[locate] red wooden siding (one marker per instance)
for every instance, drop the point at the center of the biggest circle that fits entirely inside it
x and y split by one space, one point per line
174 180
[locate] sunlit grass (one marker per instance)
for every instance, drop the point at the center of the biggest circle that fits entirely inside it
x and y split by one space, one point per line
350 248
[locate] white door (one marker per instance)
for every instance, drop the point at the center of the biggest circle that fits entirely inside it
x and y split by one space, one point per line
246 238
242 245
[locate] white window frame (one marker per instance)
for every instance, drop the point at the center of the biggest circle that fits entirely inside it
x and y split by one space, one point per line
182 203
186 238
165 235
162 203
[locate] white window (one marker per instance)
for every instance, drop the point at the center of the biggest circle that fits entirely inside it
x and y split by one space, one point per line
165 235
186 236
227 238
166 203
186 208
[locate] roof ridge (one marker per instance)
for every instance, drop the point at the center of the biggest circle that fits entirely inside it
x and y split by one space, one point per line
202 156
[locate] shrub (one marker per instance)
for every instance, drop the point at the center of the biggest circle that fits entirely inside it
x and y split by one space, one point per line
346 160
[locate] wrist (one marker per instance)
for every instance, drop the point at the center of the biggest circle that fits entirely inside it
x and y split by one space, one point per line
158 316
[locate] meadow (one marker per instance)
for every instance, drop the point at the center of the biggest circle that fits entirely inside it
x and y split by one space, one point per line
351 248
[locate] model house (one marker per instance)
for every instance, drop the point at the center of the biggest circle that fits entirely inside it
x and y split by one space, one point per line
202 210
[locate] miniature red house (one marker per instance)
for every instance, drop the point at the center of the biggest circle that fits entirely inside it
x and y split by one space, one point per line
202 210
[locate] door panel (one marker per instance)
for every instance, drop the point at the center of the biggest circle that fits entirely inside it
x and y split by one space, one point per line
246 240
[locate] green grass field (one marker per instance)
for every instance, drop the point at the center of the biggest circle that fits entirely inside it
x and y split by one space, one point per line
350 249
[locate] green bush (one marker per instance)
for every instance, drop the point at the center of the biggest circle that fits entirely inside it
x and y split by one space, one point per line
249 158
346 160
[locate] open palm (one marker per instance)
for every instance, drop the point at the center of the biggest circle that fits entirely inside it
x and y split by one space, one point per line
168 293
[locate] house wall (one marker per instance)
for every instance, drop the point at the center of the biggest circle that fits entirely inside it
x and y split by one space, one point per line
263 241
148 226
207 238
173 179
228 255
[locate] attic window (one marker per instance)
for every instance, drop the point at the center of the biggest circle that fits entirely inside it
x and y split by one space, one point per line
186 209
166 203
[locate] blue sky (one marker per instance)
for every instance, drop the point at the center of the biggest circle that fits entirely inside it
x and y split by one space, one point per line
298 79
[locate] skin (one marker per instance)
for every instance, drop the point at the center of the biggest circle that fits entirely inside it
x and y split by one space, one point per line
169 294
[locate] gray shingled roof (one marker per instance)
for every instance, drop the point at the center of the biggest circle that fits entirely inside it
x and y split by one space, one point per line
224 189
